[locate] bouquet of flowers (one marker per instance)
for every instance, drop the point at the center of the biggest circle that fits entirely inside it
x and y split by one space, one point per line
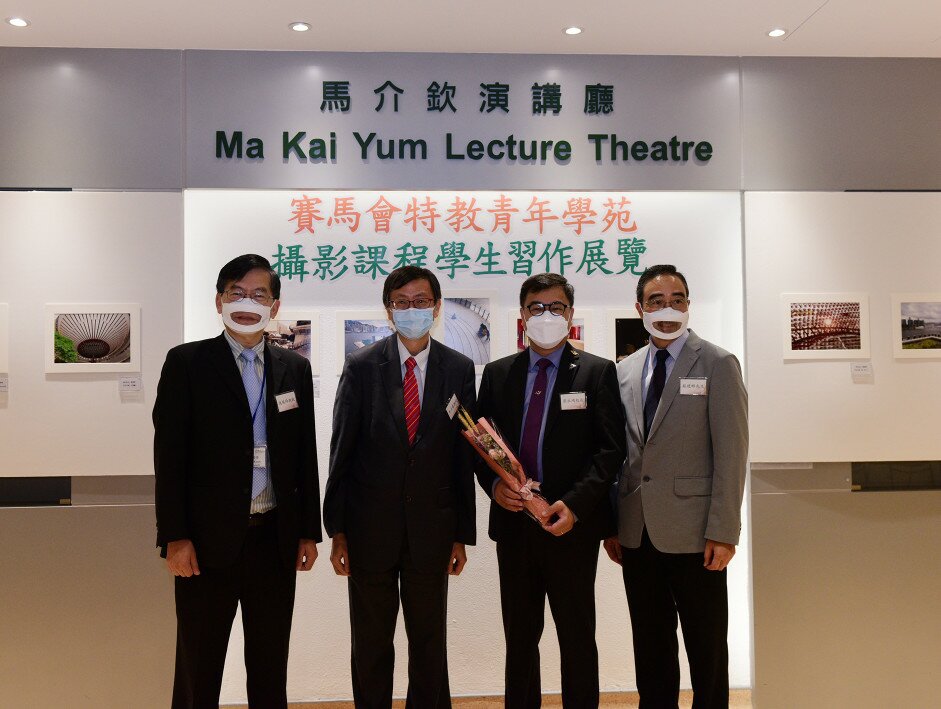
489 444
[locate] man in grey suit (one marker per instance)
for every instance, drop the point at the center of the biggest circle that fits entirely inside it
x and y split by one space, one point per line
679 496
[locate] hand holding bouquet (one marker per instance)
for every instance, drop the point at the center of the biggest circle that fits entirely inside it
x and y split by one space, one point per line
488 443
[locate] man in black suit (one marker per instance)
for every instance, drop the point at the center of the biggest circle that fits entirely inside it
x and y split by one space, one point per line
237 498
399 502
561 409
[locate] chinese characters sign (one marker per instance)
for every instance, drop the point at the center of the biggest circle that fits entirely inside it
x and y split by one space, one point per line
326 236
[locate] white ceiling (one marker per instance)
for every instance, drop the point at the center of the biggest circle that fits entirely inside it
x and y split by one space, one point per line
851 28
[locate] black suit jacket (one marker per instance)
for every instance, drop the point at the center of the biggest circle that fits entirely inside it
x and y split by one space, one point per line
582 449
203 446
382 491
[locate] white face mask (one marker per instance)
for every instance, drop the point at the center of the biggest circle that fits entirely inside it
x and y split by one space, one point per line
666 315
246 305
547 330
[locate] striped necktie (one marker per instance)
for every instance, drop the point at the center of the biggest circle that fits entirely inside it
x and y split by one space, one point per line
412 402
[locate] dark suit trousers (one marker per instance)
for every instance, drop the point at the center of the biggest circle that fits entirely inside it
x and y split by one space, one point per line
535 565
374 608
205 608
661 587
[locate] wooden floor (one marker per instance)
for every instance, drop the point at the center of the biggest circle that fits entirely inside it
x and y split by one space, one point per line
739 699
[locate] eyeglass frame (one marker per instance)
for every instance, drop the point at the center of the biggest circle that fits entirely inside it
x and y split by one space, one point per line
228 298
413 303
677 302
543 307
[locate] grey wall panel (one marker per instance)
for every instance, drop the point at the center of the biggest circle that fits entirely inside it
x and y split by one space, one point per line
837 124
86 618
846 602
265 94
91 118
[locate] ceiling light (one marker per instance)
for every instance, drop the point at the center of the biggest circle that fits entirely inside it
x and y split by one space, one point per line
777 32
299 26
17 22
572 30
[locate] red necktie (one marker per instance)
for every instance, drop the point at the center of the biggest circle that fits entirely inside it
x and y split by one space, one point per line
412 404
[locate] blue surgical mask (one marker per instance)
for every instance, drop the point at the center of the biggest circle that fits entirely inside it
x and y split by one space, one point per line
413 323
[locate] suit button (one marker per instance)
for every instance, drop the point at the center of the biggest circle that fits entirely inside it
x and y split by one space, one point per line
646 478
408 498
411 461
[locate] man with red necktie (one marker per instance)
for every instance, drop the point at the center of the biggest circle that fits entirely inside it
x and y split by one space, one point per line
399 502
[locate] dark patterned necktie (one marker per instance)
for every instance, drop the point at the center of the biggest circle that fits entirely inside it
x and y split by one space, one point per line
655 391
529 444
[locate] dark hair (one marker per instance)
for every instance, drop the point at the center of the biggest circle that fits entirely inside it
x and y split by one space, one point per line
652 272
238 268
544 281
406 274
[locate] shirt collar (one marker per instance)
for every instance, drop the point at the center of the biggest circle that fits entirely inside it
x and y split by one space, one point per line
674 348
421 359
237 347
554 357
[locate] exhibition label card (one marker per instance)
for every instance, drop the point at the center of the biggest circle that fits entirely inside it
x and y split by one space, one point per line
127 384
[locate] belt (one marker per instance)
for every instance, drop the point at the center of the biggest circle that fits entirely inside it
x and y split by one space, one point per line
260 519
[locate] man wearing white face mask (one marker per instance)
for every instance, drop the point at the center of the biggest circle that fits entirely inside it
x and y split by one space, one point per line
679 495
559 409
237 492
399 502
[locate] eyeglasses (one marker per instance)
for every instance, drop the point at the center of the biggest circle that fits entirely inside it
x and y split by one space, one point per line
658 302
556 307
403 304
236 296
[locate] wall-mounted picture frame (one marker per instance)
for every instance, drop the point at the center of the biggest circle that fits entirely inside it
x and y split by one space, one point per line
825 325
626 333
4 338
357 329
465 323
916 325
582 333
298 331
83 338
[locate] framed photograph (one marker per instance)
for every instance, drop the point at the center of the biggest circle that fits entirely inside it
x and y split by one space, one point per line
4 338
582 329
465 324
916 325
82 338
825 325
298 331
358 329
626 333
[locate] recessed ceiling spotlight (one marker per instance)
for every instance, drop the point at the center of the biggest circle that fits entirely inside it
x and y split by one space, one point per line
17 22
299 26
777 32
572 30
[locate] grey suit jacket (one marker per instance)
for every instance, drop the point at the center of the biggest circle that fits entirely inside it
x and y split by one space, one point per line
686 482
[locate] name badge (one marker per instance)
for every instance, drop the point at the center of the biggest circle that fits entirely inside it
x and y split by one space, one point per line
693 386
574 400
261 457
286 401
453 405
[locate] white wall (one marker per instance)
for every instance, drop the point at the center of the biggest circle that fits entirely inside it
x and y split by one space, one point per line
874 243
85 247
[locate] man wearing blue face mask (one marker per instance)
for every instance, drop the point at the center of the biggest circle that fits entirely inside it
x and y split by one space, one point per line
399 503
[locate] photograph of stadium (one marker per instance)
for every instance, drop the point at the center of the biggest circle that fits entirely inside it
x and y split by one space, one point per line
464 324
92 338
826 326
917 325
